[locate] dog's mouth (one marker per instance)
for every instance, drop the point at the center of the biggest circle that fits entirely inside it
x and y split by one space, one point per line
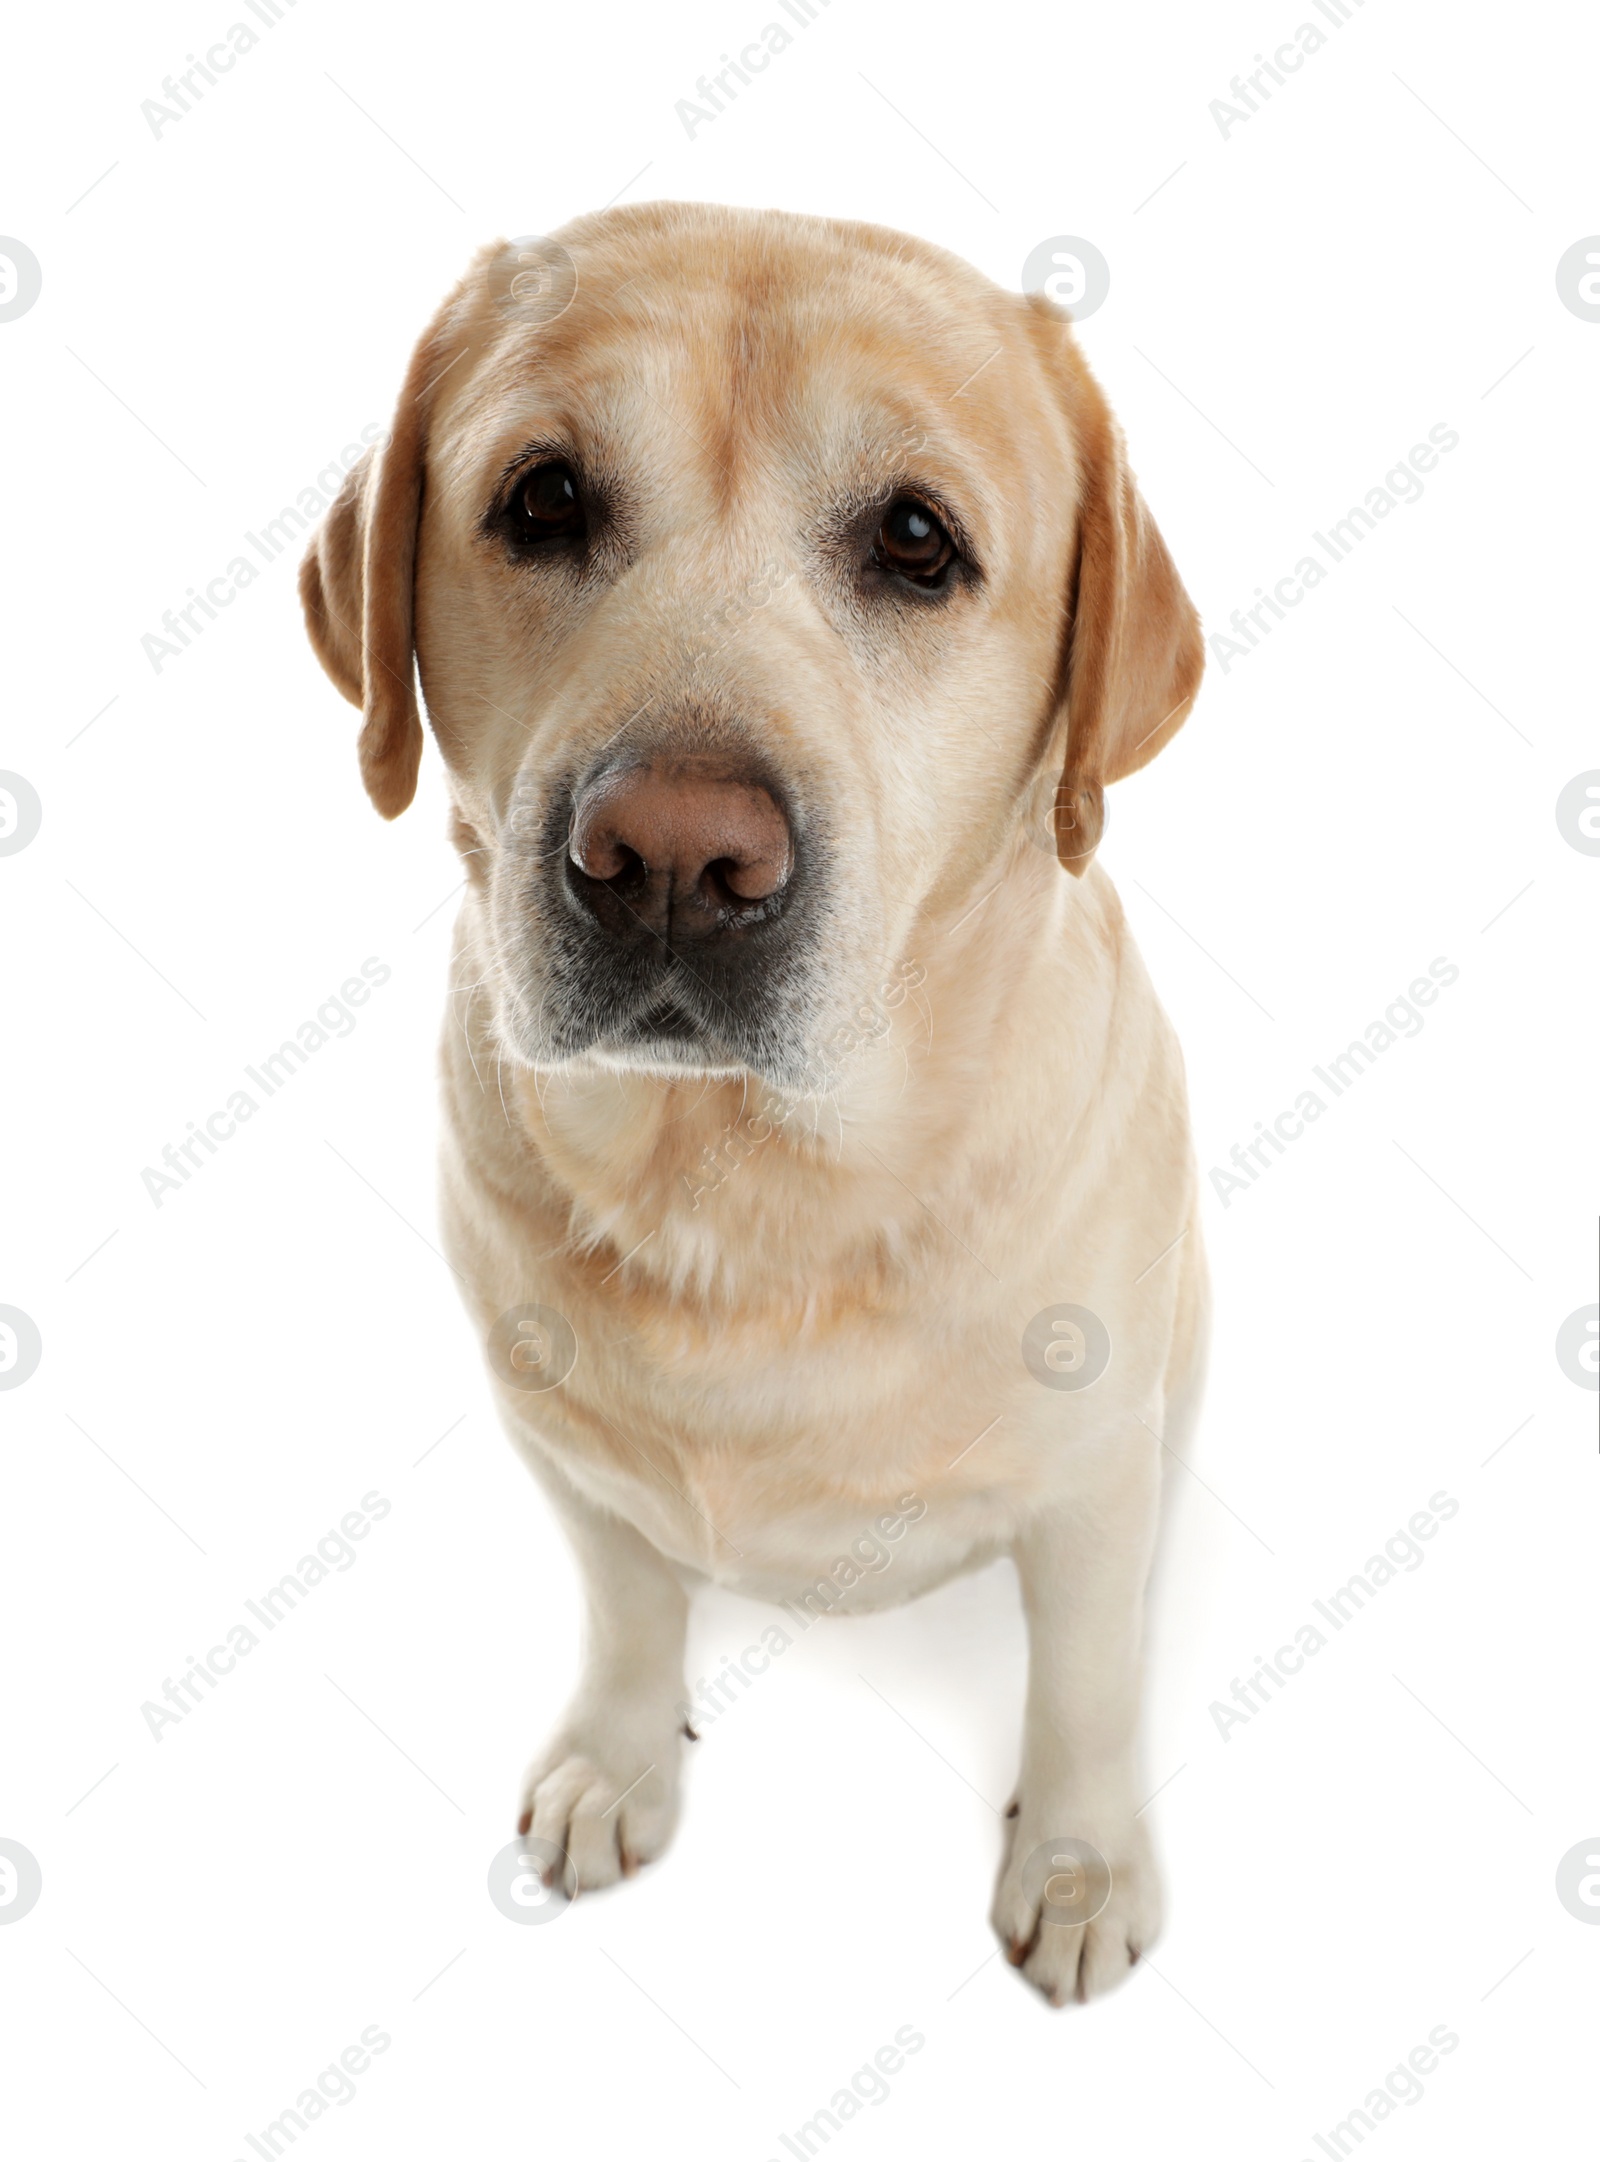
666 1021
671 1024
688 1024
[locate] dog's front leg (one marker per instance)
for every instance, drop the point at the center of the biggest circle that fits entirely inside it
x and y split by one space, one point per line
1083 1563
606 1786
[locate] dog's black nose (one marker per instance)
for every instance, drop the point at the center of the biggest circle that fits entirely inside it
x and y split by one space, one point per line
687 847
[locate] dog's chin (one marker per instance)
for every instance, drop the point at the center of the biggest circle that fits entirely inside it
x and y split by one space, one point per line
662 1038
664 1043
668 1062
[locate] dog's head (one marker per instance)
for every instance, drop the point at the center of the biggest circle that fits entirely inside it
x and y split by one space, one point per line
763 575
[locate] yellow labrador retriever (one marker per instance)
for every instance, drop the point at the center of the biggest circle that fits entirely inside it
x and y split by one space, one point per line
816 1154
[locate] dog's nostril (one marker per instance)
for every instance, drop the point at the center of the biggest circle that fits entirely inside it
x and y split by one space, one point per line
600 853
733 879
630 870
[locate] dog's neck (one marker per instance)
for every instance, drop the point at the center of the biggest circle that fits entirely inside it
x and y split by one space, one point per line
708 1189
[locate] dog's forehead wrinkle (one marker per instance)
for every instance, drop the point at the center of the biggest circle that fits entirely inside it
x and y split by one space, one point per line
721 321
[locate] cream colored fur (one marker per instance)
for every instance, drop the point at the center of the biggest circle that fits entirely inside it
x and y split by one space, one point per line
799 1296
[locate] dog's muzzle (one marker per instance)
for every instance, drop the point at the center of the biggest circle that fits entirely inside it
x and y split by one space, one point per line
679 888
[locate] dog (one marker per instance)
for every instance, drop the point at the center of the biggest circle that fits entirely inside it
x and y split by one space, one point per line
816 1156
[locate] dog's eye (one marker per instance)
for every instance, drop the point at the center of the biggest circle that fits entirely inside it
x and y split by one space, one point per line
547 505
913 543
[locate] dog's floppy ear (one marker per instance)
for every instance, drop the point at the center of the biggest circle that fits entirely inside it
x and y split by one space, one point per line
356 588
1134 653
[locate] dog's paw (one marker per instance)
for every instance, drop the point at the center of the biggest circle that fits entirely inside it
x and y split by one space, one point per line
606 1792
1057 1863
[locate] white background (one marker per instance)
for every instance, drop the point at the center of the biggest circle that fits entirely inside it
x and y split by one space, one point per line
1373 1855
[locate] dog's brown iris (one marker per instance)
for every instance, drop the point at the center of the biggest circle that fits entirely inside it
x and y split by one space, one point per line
912 542
548 504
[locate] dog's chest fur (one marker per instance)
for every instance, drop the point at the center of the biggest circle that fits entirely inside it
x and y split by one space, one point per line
792 1332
